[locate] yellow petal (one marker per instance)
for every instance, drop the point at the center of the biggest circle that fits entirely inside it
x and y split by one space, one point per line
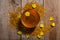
53 24
34 5
41 25
19 16
19 32
51 18
41 33
19 9
39 36
27 13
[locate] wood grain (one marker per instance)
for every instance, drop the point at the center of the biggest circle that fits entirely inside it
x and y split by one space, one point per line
7 33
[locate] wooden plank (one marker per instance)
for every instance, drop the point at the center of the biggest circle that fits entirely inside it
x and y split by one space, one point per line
6 33
58 18
51 10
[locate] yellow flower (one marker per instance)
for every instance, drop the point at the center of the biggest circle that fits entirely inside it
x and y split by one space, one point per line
39 36
41 25
41 33
34 5
53 24
27 13
19 32
51 18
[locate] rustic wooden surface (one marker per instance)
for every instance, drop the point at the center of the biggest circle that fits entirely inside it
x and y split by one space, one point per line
7 33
